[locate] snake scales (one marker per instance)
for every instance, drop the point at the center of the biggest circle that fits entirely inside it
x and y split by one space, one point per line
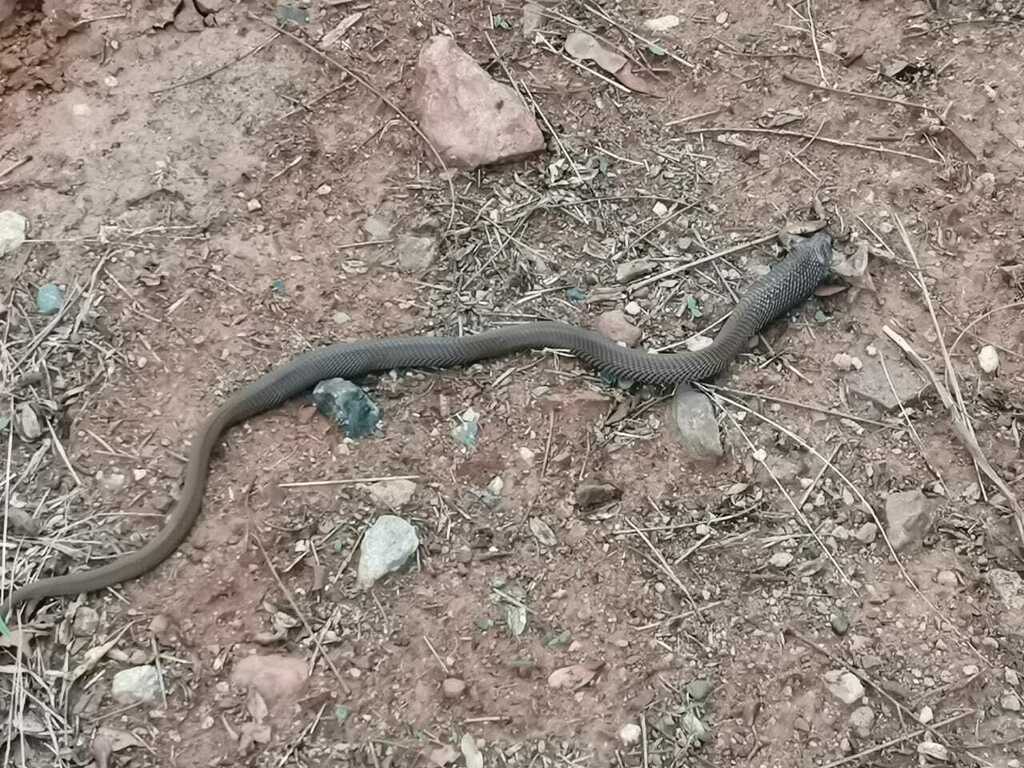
786 286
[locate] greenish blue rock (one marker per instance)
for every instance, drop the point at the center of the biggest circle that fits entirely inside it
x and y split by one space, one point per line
348 406
49 299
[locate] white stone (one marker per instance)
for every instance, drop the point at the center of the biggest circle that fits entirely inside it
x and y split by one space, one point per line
136 685
630 734
988 359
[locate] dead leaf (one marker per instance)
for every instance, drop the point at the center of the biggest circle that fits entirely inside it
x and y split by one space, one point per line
575 677
469 751
582 46
634 82
830 290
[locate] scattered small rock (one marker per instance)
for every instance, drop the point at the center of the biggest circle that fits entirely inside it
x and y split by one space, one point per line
934 750
629 271
698 689
137 685
907 517
662 23
845 362
348 406
1011 677
947 578
453 688
1010 587
393 494
616 326
324 189
845 686
925 716
112 482
533 18
590 494
386 546
1010 701
12 231
840 623
467 431
28 423
470 118
49 299
988 359
866 533
377 227
253 205
695 424
869 383
86 621
633 309
698 342
861 720
630 734
781 560
416 254
275 677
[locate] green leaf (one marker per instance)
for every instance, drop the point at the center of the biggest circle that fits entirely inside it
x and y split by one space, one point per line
657 50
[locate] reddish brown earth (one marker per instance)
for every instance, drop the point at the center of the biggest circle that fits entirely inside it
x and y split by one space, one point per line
136 173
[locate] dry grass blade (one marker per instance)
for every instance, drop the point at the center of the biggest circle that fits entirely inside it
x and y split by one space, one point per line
810 137
966 437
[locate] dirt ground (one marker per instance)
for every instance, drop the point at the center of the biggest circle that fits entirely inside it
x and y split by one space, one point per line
214 198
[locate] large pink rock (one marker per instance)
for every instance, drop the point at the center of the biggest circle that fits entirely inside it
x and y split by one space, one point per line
470 118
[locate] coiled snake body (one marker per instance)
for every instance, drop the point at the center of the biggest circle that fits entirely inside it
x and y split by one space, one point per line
787 285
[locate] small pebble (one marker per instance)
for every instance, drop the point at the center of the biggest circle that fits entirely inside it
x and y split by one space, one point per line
659 209
866 533
632 308
872 350
946 578
988 359
1011 677
970 670
845 362
453 688
722 18
925 716
840 623
1010 702
861 720
630 734
49 299
323 189
253 205
781 560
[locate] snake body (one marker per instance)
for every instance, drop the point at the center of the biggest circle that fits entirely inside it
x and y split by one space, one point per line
786 286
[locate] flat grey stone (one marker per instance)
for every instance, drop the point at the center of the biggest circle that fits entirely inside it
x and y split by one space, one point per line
416 254
695 424
907 517
870 384
387 545
12 231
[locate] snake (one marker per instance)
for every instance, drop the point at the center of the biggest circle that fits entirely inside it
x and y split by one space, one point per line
784 287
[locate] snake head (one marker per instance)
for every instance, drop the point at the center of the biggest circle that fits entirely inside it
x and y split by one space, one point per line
818 245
